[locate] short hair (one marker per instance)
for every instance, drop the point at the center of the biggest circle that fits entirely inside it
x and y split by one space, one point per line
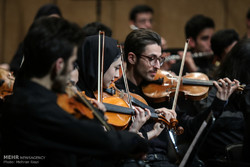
222 39
48 39
137 40
140 9
197 24
48 9
94 28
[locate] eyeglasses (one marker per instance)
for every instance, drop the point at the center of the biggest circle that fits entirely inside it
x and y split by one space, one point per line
153 60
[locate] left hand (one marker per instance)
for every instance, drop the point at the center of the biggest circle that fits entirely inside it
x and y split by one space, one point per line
226 88
140 118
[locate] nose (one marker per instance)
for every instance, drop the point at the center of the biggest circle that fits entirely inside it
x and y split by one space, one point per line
148 24
117 74
209 49
157 64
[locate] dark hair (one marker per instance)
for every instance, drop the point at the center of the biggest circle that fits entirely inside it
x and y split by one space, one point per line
94 28
196 24
46 10
48 39
137 40
140 9
248 14
236 63
222 39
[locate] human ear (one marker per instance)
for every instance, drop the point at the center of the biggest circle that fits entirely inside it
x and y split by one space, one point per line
191 42
59 65
132 58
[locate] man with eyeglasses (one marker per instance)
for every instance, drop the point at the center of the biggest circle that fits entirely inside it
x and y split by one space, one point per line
143 56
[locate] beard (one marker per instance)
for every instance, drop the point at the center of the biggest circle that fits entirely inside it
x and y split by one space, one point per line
143 73
60 80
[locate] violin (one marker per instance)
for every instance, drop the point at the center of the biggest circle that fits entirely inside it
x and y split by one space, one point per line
74 106
137 100
6 83
194 86
79 105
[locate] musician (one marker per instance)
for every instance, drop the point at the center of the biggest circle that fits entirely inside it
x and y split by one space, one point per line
142 51
88 72
141 16
221 43
199 29
247 34
93 28
229 128
47 10
33 124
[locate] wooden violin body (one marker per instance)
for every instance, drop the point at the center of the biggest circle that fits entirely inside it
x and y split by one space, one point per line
137 100
194 86
74 107
79 105
118 119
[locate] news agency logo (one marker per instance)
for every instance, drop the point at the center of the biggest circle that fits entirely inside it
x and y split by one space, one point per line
11 157
22 159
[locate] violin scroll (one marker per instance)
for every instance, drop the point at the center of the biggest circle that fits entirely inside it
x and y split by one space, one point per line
6 83
172 124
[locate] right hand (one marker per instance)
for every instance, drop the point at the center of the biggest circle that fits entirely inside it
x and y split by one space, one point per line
189 61
168 114
99 105
158 128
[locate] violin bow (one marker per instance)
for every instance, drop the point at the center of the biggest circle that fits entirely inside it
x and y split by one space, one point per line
100 65
171 134
180 75
195 140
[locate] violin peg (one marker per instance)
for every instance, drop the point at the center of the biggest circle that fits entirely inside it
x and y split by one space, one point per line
162 125
180 130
